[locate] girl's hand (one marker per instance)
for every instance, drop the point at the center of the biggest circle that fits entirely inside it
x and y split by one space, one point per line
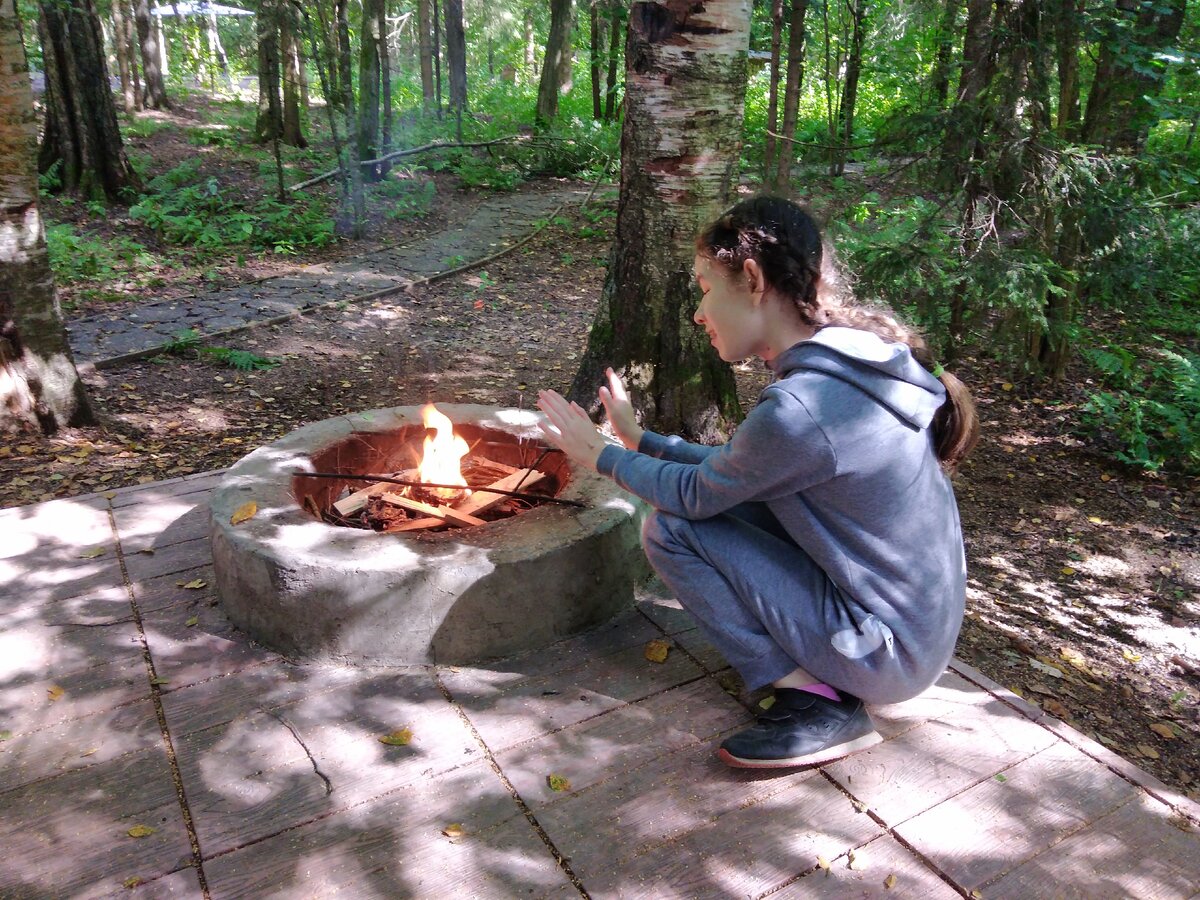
570 429
620 411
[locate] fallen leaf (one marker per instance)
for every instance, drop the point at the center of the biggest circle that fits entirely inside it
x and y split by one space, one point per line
976 895
1067 570
1130 655
856 862
453 831
91 751
558 783
1001 777
132 882
766 702
1147 751
92 554
401 737
193 585
192 622
55 693
1163 729
140 831
5 735
243 512
479 304
1055 708
1046 669
889 882
1040 689
1095 520
822 863
656 651
1007 386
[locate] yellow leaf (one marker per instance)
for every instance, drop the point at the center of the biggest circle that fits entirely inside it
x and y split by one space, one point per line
889 882
656 651
1067 570
1007 386
1106 477
766 702
856 862
243 512
132 882
822 863
454 830
1163 729
55 693
92 554
976 895
195 584
1130 655
140 831
558 783
24 449
160 681
192 622
1095 520
1147 751
401 737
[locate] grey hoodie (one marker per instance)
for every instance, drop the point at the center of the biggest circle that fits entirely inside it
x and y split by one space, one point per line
839 449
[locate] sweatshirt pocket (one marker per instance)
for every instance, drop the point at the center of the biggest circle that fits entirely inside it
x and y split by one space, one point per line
870 635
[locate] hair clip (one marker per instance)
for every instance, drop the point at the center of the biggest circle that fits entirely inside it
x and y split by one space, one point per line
937 371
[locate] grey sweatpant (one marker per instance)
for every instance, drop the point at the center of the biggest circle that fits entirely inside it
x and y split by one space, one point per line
763 602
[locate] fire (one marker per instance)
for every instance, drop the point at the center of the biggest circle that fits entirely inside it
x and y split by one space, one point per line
443 452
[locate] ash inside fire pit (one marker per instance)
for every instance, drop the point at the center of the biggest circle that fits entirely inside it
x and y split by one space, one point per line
457 590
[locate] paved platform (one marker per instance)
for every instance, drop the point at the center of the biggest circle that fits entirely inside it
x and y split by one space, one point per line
130 706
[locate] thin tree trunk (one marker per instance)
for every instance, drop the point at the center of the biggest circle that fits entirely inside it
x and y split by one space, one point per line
154 94
456 56
269 124
530 55
594 58
437 55
680 150
352 218
769 163
216 47
425 45
385 78
947 31
132 52
556 65
614 55
39 387
858 14
368 85
128 94
81 119
791 96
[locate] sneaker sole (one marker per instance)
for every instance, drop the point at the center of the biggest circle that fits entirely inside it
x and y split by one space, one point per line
822 756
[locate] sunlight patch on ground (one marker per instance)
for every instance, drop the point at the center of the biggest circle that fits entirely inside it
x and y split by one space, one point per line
1101 566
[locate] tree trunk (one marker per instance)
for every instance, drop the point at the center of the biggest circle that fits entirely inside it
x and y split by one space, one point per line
352 216
947 29
530 55
858 14
154 93
614 50
773 90
132 53
594 59
1068 21
294 100
556 65
216 48
368 85
456 55
269 124
791 95
1130 73
39 387
962 131
81 119
385 80
128 94
437 55
680 150
425 45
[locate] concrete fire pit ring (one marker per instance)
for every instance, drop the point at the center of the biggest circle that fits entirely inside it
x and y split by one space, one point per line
327 593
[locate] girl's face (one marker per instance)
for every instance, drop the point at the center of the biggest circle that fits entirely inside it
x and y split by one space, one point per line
730 310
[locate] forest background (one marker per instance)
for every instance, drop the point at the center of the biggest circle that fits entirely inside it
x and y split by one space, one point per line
1020 179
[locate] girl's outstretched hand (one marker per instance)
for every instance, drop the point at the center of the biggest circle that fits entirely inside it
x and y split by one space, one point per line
570 429
620 411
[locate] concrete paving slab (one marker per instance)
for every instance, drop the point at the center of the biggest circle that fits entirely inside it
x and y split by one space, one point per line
881 869
29 703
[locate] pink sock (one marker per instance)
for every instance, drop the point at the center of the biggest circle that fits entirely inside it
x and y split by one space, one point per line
822 690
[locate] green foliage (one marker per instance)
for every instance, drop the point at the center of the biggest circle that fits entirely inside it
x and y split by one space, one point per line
409 195
1150 407
187 340
76 257
198 214
51 180
182 341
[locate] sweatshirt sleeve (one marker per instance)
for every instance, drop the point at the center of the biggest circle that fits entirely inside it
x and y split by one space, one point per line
673 448
778 450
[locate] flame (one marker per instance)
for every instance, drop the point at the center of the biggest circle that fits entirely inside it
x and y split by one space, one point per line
443 452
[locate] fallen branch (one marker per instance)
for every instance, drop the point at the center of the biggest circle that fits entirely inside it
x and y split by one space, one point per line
412 151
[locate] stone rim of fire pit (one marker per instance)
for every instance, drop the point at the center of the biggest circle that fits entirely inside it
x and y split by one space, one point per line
335 594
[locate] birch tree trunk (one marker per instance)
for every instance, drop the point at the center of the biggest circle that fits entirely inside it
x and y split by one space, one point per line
556 66
685 84
39 387
154 93
81 129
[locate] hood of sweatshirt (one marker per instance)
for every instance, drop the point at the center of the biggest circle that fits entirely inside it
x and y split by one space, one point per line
885 371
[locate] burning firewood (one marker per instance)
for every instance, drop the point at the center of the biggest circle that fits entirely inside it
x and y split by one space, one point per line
444 513
482 499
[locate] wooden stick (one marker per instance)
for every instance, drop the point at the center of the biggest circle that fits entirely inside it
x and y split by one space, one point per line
483 499
445 513
415 525
540 498
348 506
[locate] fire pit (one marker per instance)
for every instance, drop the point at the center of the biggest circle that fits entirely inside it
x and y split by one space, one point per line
441 588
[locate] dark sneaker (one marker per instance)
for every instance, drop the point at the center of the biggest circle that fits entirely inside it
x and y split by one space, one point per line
801 729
